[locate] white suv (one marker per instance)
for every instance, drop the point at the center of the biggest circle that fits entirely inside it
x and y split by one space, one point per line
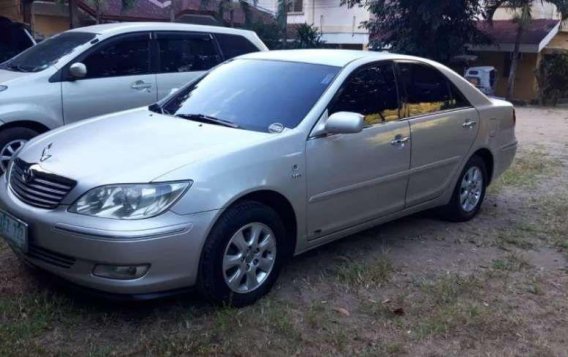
102 69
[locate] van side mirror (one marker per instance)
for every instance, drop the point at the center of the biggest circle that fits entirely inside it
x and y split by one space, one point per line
78 70
344 123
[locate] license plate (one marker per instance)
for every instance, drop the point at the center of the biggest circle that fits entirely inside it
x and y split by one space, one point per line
14 231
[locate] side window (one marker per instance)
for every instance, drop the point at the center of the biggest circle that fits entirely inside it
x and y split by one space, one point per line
186 53
234 45
458 99
427 90
370 91
125 57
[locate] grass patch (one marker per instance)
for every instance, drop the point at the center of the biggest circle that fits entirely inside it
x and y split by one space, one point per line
357 274
522 236
512 262
527 170
448 289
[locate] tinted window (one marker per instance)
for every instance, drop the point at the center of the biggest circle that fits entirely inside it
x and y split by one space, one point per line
13 40
255 94
48 52
186 53
427 90
371 91
125 57
234 45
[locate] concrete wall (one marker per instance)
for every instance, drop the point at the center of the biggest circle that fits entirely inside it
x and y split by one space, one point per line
338 24
526 88
49 25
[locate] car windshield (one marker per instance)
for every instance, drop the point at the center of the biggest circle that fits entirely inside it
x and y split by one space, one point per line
255 95
48 52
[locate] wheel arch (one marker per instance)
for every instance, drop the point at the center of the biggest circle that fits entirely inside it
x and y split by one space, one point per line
30 124
487 156
283 207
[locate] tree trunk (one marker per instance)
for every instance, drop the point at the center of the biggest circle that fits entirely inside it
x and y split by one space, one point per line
172 12
514 63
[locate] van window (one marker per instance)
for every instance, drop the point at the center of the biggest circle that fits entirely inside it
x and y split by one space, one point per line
125 57
186 53
234 45
48 52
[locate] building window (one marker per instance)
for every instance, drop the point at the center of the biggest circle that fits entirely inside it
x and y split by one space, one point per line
296 6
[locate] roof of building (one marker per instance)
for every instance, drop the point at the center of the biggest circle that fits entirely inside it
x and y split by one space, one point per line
159 10
503 35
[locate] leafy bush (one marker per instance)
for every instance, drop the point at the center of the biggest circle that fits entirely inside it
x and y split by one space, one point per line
552 78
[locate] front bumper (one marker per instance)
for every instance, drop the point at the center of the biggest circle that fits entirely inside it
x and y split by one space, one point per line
70 245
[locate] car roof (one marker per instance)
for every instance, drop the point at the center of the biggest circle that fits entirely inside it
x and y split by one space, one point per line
329 57
126 27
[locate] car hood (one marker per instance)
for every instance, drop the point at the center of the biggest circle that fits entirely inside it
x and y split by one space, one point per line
132 147
8 76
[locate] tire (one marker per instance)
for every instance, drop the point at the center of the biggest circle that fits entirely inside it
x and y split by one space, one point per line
214 276
12 136
458 211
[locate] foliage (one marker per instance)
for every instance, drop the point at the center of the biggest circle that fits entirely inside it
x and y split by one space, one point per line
434 29
308 36
552 77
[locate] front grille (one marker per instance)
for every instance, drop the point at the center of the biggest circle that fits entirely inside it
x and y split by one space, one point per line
36 187
47 256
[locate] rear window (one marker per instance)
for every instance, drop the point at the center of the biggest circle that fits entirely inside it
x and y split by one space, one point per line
234 45
13 40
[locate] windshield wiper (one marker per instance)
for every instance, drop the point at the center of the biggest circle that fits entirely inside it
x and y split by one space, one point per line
208 119
17 68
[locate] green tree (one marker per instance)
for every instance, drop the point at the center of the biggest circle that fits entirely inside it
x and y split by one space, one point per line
433 29
308 36
523 17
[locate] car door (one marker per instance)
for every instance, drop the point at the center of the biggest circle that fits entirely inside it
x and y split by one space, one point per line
119 77
182 57
353 178
443 125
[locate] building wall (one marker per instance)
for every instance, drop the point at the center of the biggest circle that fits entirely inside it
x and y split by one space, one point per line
526 88
539 10
11 10
338 24
49 25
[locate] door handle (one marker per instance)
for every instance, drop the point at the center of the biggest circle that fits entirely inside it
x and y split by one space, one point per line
469 124
139 85
400 141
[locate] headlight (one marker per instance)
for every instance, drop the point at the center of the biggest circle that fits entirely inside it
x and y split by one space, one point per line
133 201
3 88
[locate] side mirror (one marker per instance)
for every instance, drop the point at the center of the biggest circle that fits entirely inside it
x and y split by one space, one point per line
78 70
344 123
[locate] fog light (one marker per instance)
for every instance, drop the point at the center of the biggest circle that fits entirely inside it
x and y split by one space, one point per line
121 272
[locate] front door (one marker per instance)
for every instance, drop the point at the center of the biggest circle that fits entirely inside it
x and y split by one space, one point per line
443 125
118 78
353 178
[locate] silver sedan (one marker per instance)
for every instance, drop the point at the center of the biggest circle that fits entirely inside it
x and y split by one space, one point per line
264 157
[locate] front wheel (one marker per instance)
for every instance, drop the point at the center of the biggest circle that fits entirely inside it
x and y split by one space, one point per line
242 256
11 141
469 192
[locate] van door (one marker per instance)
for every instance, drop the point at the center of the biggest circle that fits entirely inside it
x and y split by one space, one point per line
182 57
119 77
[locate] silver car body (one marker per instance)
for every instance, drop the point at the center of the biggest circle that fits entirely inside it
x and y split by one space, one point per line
330 183
36 100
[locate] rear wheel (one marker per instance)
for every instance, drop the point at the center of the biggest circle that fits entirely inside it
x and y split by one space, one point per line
12 140
242 256
469 192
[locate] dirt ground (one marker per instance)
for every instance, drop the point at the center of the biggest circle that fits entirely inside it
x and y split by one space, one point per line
495 286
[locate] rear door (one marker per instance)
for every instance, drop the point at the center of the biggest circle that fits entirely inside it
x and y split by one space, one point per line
182 57
119 77
443 126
